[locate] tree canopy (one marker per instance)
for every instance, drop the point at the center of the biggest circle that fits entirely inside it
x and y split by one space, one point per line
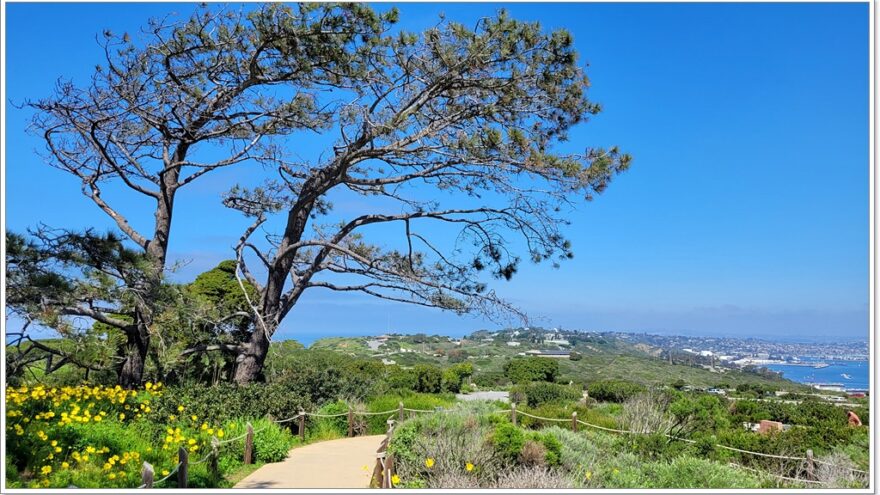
451 137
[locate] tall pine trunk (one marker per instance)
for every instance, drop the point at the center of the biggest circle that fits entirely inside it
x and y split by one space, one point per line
249 362
131 372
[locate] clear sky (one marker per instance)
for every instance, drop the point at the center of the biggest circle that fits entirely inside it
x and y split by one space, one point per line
745 212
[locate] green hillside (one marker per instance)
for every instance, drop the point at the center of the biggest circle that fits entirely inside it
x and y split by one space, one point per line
601 358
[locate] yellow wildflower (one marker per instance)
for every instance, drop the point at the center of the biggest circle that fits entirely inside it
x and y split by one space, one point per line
395 479
121 416
179 408
429 462
46 469
220 433
194 417
469 467
204 426
54 443
65 465
588 475
111 476
57 449
192 441
165 472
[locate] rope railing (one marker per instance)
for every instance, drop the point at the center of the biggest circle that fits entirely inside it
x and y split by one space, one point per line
151 483
761 454
543 418
604 427
316 415
424 410
279 421
377 413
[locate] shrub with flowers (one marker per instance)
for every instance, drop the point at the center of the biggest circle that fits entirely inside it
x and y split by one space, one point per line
93 436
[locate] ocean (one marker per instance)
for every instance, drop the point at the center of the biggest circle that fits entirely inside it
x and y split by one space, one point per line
858 372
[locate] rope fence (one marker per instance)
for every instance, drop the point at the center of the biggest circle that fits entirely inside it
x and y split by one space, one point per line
384 467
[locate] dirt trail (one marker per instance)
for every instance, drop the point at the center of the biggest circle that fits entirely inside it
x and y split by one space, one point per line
343 463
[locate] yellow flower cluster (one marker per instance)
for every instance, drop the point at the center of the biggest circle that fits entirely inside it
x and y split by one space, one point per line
35 413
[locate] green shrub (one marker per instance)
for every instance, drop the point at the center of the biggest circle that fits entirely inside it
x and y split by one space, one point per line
552 445
531 369
222 401
429 379
272 443
508 440
537 393
452 440
614 390
377 424
491 379
329 428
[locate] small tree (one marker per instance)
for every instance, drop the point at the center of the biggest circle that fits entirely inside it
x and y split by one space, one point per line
454 127
531 369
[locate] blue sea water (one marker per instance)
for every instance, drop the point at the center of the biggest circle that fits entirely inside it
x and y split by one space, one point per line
858 371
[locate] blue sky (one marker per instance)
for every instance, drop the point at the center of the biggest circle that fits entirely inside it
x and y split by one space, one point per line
745 212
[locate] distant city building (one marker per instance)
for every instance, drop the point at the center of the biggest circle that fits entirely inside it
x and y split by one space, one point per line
549 354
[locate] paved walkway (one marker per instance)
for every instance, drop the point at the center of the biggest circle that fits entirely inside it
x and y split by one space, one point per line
343 463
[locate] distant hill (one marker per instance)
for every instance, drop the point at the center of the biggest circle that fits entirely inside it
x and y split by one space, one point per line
597 357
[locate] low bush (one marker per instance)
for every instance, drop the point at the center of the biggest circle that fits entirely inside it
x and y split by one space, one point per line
532 478
537 393
614 390
508 440
531 369
533 454
443 450
552 447
491 379
377 424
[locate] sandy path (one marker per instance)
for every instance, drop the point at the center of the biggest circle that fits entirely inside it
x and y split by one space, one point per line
331 464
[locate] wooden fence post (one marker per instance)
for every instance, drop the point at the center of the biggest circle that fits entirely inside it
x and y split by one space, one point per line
183 470
811 465
249 445
215 456
574 421
147 475
389 469
513 413
302 426
400 411
350 422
